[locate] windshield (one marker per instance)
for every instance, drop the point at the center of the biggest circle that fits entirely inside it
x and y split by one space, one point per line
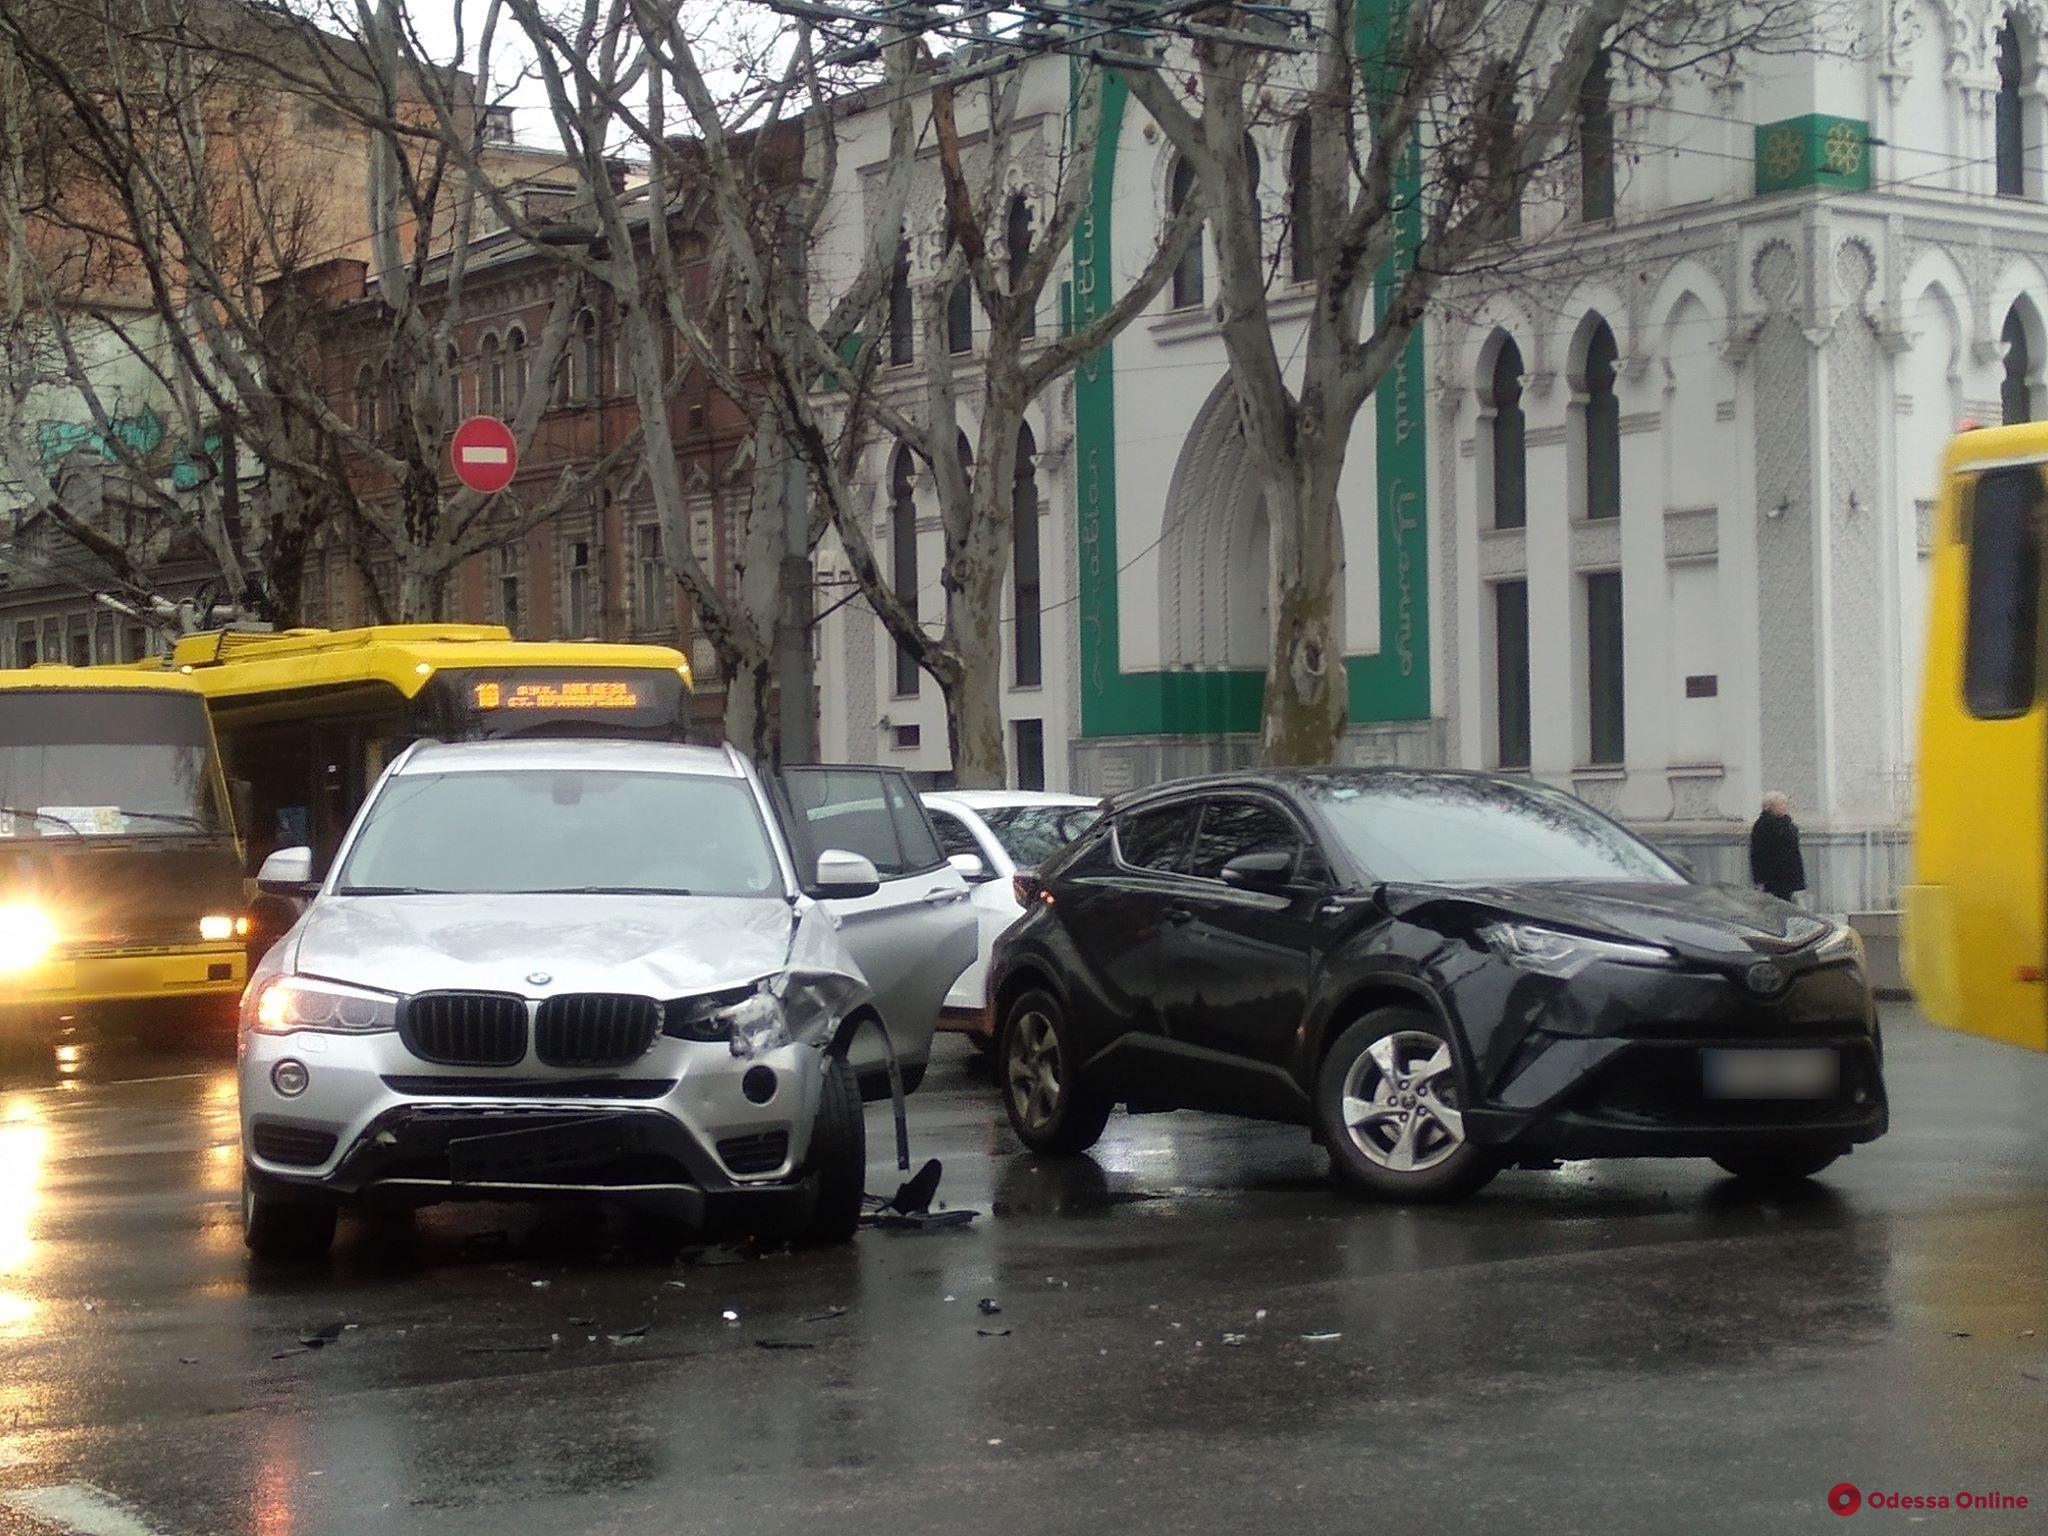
107 763
1031 834
555 831
1447 830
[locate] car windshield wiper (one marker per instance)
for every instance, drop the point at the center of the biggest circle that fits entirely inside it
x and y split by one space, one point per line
392 890
606 890
180 818
22 810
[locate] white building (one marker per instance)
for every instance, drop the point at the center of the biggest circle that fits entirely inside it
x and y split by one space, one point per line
1719 370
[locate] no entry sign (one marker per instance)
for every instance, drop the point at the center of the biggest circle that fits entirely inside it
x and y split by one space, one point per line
485 455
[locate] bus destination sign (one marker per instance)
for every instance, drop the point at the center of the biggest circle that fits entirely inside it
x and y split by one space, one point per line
579 694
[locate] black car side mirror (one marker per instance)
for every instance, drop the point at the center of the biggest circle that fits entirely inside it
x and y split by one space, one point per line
1268 872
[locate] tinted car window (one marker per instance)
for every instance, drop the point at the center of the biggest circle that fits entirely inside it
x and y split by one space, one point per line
913 829
865 812
1234 827
1445 829
1158 839
1031 834
954 838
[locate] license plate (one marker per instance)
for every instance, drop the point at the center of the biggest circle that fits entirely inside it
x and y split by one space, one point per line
511 1157
1814 1074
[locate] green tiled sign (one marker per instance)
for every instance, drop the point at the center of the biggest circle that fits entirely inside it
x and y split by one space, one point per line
1813 151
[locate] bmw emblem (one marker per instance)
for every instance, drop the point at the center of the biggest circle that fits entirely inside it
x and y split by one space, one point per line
1766 979
538 978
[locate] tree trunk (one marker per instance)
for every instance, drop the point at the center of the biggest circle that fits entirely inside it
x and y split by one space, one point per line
1307 688
974 600
749 717
421 593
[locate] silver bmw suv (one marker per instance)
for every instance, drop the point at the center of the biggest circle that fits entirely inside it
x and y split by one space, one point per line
625 969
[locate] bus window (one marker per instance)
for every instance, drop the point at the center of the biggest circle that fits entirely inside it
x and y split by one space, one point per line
2000 657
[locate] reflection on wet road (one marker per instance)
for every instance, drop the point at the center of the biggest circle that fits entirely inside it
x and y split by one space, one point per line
1194 1334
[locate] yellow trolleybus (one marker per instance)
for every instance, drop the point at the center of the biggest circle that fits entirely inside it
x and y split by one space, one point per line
1976 944
307 719
120 875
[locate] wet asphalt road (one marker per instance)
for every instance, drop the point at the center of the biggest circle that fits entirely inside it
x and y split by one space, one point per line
1611 1348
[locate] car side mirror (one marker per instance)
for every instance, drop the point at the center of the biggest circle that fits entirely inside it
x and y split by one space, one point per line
1267 872
971 867
844 876
287 872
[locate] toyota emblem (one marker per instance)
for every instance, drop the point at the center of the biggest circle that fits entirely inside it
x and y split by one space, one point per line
1766 978
542 978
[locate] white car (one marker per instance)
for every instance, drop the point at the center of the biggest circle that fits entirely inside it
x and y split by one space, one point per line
1009 831
594 969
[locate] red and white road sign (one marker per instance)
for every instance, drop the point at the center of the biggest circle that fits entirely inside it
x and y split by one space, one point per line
485 456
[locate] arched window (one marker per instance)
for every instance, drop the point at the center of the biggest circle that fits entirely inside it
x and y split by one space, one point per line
590 355
960 316
902 321
903 561
493 381
1017 243
1026 643
2016 391
1596 142
515 349
1187 277
1510 478
366 402
454 387
1300 202
2011 115
1603 426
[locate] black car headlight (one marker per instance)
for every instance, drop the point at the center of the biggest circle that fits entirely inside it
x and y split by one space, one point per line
1844 943
1552 952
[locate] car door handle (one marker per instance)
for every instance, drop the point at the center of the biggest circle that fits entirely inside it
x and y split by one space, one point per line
1179 916
942 896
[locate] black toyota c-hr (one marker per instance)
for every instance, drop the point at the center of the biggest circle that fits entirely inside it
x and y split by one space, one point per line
1440 973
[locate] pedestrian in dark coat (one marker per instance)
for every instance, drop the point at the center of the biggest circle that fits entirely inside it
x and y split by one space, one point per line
1775 863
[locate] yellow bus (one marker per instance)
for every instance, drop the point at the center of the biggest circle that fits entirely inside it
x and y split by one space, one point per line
120 872
1975 940
308 718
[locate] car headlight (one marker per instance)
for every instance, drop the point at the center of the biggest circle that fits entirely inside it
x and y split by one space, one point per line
218 928
1844 943
294 1002
759 1023
1549 952
26 938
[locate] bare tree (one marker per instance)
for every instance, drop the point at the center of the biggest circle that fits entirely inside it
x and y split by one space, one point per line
1423 137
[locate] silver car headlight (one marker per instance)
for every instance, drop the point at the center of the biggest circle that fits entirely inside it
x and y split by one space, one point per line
756 1024
1549 952
288 1003
1845 943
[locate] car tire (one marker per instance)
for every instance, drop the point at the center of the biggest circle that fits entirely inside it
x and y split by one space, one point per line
1392 1130
1038 1073
1776 1169
838 1159
283 1230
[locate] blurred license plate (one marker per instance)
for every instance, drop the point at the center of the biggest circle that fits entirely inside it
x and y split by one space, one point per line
1771 1074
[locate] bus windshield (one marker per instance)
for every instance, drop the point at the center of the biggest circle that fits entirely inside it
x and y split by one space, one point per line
107 763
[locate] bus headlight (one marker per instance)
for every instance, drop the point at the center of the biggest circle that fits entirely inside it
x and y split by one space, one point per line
219 928
26 938
292 1002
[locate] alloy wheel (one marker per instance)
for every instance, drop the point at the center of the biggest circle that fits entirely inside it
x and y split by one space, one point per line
1401 1102
1033 1070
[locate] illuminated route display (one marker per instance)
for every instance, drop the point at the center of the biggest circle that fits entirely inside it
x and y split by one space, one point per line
645 702
576 693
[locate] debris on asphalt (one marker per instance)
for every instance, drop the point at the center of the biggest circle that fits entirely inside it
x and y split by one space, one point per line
581 1322
924 1221
628 1335
730 1316
2026 1333
831 1314
914 1196
1233 1338
540 1285
1321 1338
1259 1316
993 1333
676 1285
1958 1333
1056 1280
989 1306
505 1349
321 1337
188 1360
784 1344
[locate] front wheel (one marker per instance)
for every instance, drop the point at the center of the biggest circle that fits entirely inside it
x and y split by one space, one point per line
1390 1110
1777 1168
1051 1107
287 1231
838 1160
